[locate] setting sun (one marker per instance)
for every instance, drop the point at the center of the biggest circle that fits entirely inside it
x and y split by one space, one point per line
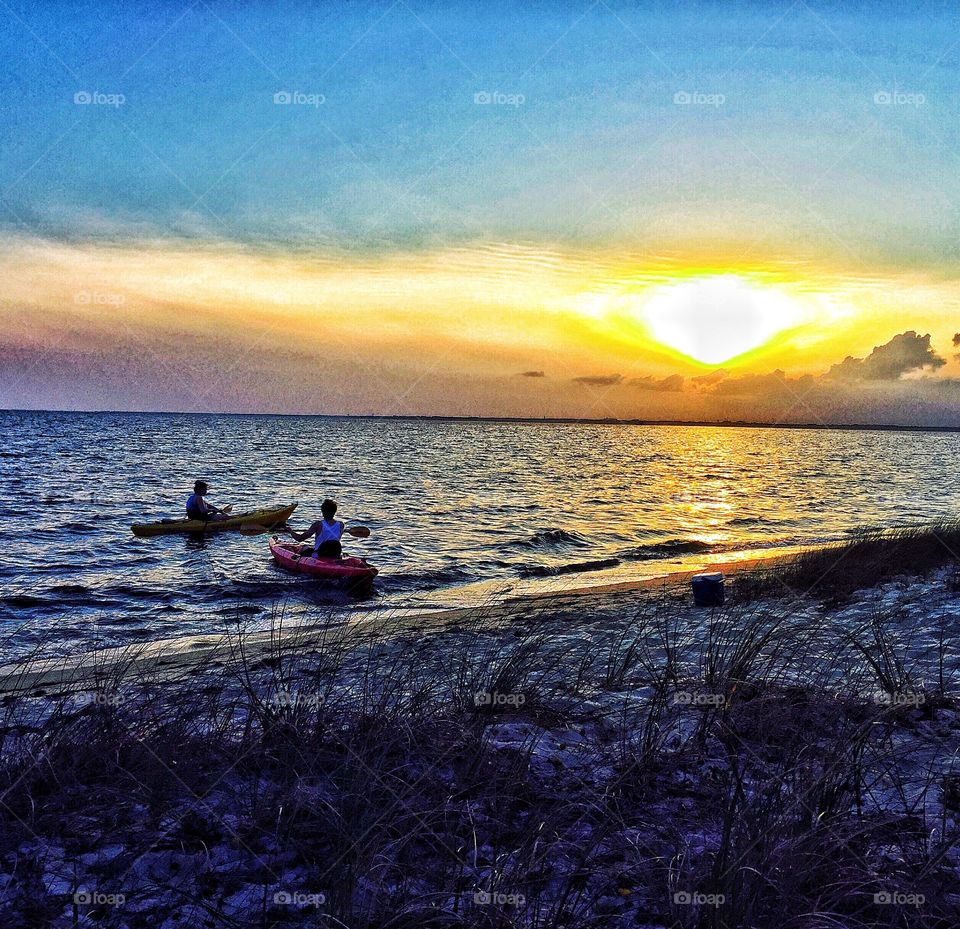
718 318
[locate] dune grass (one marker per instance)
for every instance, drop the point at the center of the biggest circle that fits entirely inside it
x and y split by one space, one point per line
834 572
755 765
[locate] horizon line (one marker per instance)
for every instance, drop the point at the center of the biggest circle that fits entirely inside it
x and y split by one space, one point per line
552 420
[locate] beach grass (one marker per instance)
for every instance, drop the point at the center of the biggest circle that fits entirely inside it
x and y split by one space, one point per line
835 571
653 765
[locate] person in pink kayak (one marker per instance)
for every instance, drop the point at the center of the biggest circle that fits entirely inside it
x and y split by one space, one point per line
328 532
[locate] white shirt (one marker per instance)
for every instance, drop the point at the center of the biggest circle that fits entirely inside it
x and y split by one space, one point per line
329 532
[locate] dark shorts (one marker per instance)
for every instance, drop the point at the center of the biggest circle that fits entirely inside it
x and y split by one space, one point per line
326 550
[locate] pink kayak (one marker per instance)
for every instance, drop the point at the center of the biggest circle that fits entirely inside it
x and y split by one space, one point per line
354 570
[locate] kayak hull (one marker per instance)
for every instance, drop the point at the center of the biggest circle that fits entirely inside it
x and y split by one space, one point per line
270 517
356 572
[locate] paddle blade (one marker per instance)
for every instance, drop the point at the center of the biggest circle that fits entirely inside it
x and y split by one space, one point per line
254 529
259 529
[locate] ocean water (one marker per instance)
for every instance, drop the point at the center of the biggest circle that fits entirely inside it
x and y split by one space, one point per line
459 511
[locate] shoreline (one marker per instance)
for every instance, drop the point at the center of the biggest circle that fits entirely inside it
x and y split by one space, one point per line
667 569
176 656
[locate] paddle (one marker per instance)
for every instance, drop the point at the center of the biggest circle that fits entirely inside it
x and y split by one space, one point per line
260 529
225 511
358 532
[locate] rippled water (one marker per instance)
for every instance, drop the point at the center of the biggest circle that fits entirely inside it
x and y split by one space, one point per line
450 504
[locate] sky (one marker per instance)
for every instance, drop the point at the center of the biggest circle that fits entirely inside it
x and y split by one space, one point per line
598 209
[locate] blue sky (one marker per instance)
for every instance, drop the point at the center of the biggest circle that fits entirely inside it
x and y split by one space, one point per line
399 153
461 192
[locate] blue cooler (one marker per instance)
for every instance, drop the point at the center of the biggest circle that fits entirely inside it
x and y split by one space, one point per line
707 589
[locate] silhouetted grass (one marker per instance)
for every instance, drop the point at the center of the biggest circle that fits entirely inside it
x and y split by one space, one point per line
834 572
754 765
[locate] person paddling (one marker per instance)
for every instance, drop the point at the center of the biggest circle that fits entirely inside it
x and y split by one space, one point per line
328 531
198 508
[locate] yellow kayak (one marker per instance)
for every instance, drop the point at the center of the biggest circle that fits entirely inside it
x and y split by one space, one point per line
275 516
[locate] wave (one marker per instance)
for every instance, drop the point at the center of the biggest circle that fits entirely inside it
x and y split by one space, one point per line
576 567
552 538
249 589
128 591
22 601
434 578
57 603
71 590
496 564
672 547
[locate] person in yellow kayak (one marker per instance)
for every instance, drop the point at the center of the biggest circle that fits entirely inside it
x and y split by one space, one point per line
328 532
198 508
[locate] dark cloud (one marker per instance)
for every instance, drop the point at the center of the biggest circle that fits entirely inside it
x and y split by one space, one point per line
956 340
531 374
903 353
599 380
671 384
775 383
709 380
874 387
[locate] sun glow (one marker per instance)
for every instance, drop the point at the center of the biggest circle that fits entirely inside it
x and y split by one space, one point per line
715 319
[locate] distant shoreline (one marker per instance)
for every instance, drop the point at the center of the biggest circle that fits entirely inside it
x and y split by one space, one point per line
519 420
